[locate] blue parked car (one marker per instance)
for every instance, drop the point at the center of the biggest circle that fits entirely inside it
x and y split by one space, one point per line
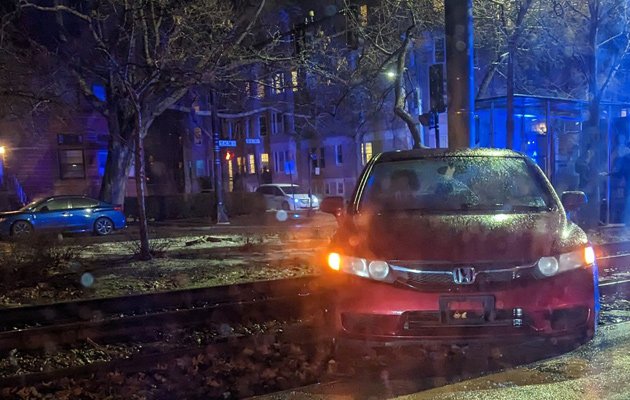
63 214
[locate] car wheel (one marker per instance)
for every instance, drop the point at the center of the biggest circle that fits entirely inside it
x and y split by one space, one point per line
103 226
285 206
21 228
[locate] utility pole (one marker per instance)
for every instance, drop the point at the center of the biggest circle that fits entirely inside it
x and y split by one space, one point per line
222 217
459 72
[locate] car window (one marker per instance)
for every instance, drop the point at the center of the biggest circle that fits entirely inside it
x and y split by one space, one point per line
292 190
277 191
264 190
456 184
53 205
82 202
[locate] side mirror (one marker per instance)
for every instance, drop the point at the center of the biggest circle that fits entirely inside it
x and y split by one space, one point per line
572 201
332 205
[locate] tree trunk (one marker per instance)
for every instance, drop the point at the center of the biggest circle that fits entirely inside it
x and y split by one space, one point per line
121 125
114 184
399 107
145 253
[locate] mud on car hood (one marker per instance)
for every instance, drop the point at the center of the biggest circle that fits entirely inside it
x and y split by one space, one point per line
466 238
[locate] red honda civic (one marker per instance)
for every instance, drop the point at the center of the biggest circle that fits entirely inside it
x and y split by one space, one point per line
441 246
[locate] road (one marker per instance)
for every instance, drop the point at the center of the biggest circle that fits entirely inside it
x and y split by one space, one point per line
598 370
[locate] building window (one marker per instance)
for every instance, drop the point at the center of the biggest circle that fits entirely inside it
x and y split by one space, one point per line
439 50
230 176
262 121
363 14
251 161
260 90
239 164
238 130
366 152
294 80
277 123
264 160
69 139
340 188
200 168
101 159
71 164
322 158
248 89
278 161
339 154
246 126
278 83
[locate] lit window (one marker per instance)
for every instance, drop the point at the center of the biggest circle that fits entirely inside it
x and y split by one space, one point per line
264 158
260 91
230 176
278 83
71 164
294 80
363 15
239 163
366 152
251 160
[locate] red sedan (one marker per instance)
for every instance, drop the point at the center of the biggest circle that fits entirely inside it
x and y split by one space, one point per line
455 247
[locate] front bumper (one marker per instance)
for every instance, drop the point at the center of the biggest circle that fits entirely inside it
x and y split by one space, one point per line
380 314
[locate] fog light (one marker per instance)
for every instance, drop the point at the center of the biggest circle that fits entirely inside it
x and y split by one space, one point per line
378 270
334 261
548 266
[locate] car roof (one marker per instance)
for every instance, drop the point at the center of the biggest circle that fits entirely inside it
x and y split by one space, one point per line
400 155
278 184
69 196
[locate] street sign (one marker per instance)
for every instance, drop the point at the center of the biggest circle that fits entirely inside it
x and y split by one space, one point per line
252 141
227 143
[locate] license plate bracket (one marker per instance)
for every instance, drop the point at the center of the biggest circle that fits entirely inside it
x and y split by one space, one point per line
467 310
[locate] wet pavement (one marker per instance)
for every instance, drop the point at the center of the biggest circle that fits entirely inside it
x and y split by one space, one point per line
597 370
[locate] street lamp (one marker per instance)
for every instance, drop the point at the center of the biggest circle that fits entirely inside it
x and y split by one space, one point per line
391 74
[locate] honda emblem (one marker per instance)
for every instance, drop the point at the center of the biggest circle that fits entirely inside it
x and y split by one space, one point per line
464 275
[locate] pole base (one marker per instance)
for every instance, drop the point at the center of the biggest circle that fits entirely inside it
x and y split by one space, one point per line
222 217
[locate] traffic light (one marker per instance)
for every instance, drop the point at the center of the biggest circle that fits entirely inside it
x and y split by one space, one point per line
436 87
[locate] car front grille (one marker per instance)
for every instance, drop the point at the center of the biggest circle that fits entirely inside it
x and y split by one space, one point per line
441 276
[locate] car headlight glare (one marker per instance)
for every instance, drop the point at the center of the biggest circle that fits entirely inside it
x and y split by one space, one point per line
550 266
377 270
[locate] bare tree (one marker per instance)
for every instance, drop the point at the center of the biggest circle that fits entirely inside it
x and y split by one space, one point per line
147 54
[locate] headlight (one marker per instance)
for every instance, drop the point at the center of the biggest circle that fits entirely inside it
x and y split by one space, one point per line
377 270
550 266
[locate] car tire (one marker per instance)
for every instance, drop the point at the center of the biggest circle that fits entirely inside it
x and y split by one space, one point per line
286 206
103 226
21 228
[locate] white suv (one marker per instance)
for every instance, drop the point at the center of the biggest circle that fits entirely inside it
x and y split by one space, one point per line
285 196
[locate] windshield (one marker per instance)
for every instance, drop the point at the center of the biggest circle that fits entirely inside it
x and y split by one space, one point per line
456 184
291 190
30 205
